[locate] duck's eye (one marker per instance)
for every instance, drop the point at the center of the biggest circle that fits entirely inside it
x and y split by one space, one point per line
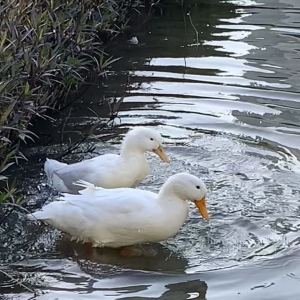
198 187
151 139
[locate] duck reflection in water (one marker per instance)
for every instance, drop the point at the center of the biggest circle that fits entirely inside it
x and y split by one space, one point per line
151 257
165 270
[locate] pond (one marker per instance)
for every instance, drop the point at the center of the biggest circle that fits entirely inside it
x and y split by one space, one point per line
220 81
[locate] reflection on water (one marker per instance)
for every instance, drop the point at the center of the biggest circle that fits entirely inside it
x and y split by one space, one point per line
220 80
147 258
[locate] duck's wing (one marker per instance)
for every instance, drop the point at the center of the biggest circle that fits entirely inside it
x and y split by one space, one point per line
90 170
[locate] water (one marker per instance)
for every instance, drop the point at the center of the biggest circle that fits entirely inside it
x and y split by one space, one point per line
220 80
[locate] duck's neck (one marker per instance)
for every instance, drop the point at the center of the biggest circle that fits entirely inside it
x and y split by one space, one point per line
176 207
127 152
167 193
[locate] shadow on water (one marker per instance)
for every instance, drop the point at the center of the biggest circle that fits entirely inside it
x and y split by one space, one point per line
220 80
148 259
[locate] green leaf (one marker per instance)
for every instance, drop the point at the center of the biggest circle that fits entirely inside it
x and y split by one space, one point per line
26 89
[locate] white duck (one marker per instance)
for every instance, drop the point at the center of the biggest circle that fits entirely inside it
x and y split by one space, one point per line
110 170
125 216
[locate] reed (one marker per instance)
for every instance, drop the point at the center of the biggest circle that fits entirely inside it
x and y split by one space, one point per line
47 49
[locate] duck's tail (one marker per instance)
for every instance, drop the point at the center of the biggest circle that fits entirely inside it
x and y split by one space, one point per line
38 215
88 187
52 165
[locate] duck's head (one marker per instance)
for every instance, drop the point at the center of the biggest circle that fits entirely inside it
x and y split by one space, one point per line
188 187
141 139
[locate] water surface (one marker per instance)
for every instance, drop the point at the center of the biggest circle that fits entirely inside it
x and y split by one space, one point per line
220 80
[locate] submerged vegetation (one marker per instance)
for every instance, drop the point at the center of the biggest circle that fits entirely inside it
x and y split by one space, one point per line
47 49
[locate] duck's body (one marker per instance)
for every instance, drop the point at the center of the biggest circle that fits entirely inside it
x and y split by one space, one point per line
133 217
119 217
109 170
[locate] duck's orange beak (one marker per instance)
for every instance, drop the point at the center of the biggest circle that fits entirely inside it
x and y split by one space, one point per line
201 204
162 154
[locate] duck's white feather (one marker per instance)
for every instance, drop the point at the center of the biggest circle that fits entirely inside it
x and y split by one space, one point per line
88 188
52 165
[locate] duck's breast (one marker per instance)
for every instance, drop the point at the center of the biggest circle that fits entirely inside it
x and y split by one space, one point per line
173 216
126 173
